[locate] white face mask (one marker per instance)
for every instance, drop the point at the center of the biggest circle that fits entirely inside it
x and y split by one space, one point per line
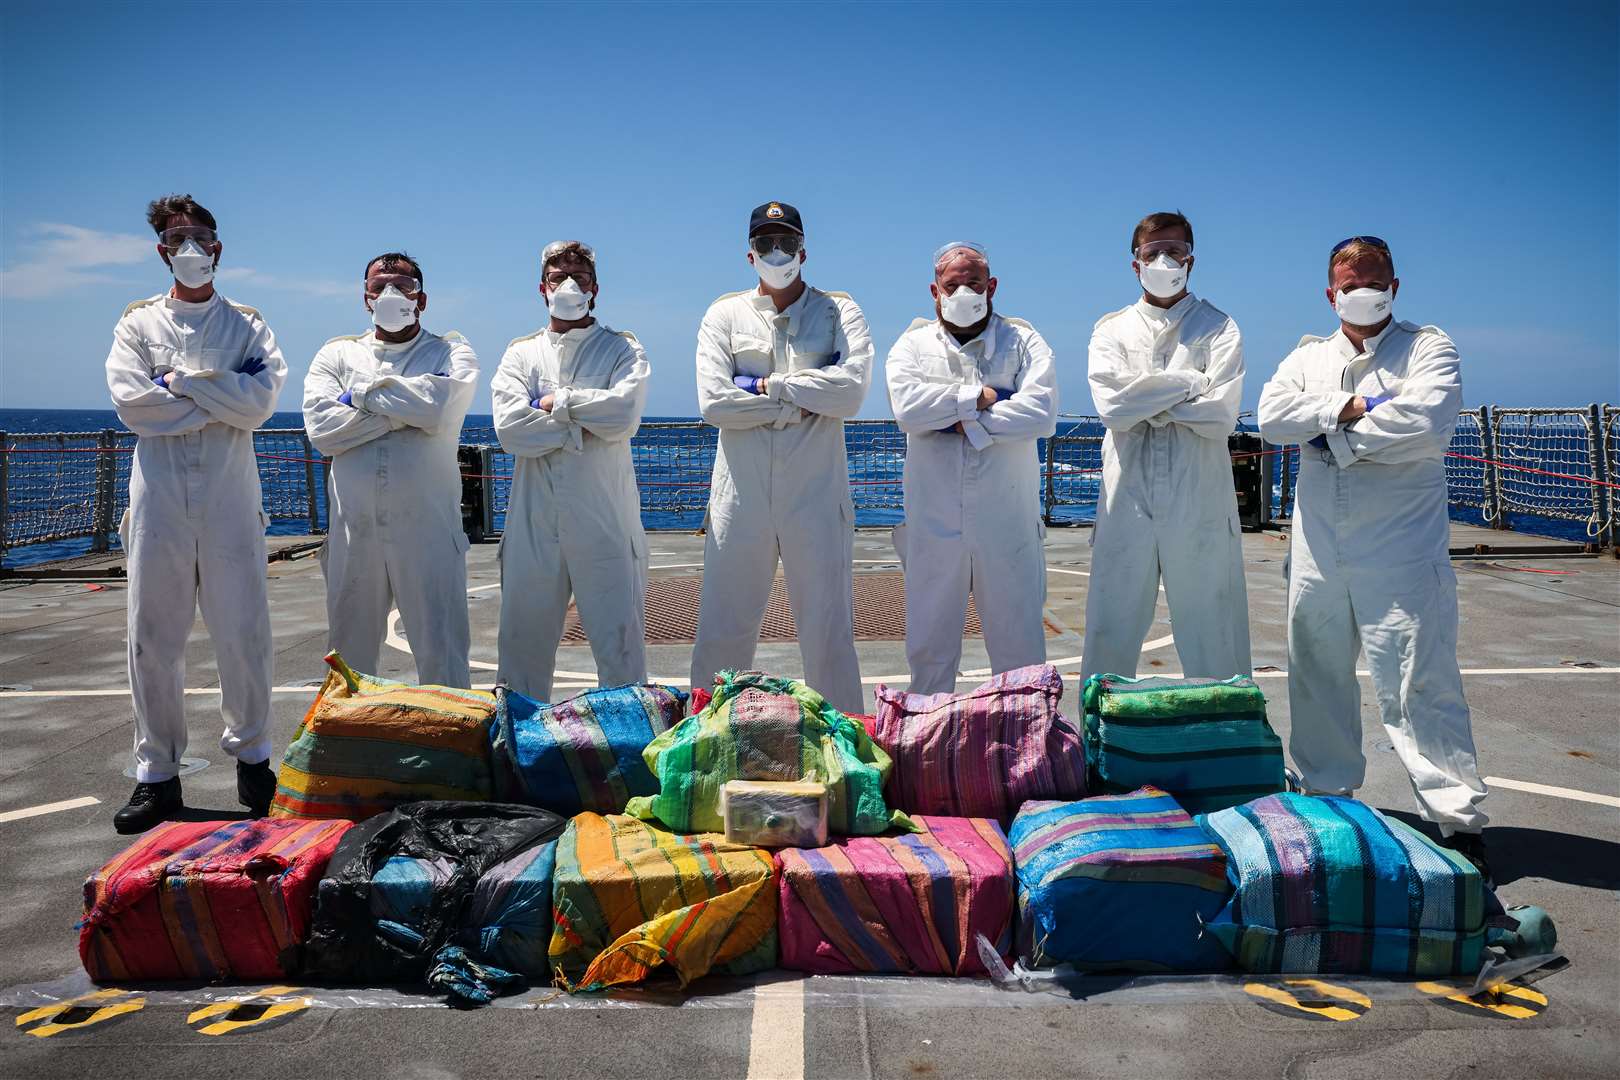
192 265
778 269
1161 277
393 311
568 301
964 307
1363 307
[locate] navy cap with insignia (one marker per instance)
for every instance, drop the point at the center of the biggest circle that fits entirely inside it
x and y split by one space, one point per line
775 213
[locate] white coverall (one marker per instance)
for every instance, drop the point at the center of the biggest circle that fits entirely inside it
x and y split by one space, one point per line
1167 385
194 530
781 481
973 502
1369 569
573 523
393 496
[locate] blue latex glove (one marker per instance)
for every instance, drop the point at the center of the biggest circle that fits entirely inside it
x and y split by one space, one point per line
346 398
1320 442
252 365
535 404
1374 402
747 382
833 359
159 377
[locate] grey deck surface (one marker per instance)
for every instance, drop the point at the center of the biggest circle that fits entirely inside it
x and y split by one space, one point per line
1557 724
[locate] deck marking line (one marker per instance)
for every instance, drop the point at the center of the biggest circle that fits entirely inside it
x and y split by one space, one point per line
49 808
776 1036
1555 792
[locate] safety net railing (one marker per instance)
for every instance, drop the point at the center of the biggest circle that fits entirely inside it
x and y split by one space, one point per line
1545 462
1558 464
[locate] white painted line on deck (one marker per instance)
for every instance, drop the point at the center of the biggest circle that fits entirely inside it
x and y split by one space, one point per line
776 1037
1555 792
49 808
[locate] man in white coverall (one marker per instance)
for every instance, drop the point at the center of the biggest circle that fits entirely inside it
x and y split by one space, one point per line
1373 407
192 374
1166 375
973 391
779 369
567 400
386 406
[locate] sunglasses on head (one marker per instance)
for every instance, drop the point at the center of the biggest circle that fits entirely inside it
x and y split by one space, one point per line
1370 240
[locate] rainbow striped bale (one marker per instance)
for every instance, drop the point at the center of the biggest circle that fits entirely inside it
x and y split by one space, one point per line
1205 741
913 904
368 745
583 753
1118 882
207 900
760 727
1326 884
982 753
628 897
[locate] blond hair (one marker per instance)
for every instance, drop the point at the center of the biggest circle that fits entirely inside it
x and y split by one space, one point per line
1357 250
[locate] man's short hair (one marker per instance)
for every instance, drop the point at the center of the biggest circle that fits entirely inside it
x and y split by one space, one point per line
1355 251
159 211
392 261
1164 219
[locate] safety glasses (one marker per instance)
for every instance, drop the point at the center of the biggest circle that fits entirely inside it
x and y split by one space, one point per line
174 239
943 249
1179 250
556 277
786 243
1372 241
376 283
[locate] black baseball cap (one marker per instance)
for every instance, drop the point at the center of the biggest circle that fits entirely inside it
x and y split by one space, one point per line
775 213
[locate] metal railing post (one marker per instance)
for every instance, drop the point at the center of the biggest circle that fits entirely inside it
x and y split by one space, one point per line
1493 476
106 472
309 486
1602 497
1285 484
5 492
486 468
1051 476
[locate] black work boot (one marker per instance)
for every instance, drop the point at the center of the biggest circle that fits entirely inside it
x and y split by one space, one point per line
1471 846
255 786
151 804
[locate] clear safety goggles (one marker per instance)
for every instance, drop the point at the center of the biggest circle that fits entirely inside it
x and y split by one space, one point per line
945 249
174 239
786 243
1370 241
567 247
1178 250
404 283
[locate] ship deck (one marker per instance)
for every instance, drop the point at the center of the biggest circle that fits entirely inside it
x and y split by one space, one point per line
1540 652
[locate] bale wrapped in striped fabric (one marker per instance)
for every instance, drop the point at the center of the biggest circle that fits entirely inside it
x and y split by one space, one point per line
982 753
629 897
912 904
1328 884
583 753
206 900
368 745
1205 741
1121 882
760 727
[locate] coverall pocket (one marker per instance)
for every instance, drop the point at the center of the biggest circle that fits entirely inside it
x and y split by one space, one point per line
123 528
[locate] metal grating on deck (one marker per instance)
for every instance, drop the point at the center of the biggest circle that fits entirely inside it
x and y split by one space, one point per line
672 611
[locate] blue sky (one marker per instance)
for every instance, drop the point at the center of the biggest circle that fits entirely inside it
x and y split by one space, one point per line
1480 140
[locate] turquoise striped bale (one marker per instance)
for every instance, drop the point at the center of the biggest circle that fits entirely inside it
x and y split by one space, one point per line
1326 884
1117 882
1205 741
582 754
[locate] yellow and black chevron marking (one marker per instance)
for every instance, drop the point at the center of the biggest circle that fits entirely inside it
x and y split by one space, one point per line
81 1012
1509 1001
1311 999
257 1010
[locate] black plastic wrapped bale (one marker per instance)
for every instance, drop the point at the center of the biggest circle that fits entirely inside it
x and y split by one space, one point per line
1251 476
400 884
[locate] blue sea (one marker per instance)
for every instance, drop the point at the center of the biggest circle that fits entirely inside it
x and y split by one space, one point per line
672 466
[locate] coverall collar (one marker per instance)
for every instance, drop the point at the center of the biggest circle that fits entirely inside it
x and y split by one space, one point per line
794 311
1172 314
1369 346
395 346
187 307
985 337
577 334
